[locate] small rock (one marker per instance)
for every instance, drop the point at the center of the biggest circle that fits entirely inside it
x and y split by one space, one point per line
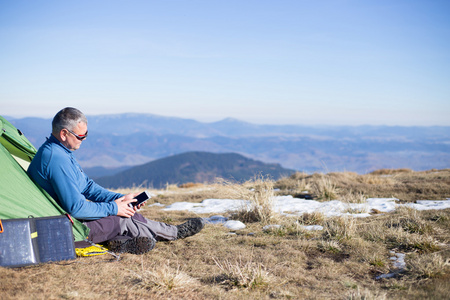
234 225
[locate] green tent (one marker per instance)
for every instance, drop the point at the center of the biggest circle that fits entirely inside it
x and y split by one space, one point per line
20 197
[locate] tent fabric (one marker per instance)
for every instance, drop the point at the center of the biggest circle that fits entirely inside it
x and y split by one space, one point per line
14 140
20 197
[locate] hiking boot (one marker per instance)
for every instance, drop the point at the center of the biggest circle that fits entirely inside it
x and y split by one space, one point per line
137 245
189 228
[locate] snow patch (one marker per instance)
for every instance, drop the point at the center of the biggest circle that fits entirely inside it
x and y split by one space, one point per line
270 227
398 264
290 206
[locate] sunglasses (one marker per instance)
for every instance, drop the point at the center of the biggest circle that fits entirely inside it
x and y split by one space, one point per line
79 137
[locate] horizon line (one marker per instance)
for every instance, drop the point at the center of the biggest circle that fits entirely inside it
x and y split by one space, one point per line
18 117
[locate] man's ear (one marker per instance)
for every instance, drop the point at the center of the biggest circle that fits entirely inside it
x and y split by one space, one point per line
62 135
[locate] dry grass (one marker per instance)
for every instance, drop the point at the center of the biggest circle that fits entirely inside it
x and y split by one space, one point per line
391 171
427 266
324 188
403 184
242 274
315 218
162 278
259 194
339 262
339 228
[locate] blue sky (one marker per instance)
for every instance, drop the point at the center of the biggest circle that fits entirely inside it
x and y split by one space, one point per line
340 62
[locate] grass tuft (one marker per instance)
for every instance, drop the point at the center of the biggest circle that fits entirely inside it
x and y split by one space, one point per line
427 266
260 195
314 218
163 278
339 228
329 246
324 188
366 294
242 274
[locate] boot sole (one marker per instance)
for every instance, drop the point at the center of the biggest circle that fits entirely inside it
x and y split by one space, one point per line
139 245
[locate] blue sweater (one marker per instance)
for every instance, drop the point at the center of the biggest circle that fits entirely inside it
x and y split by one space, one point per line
56 170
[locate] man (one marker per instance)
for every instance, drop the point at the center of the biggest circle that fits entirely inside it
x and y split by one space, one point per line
108 215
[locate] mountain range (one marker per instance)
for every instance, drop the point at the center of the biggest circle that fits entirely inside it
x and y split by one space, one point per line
125 140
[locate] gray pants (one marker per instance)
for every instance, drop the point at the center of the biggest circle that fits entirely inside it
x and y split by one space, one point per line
112 227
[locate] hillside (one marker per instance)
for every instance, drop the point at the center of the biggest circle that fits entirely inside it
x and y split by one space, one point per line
200 167
398 252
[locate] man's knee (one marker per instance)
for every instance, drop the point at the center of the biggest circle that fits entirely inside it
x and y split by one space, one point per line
103 229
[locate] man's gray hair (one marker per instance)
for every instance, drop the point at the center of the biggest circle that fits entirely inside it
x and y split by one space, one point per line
68 118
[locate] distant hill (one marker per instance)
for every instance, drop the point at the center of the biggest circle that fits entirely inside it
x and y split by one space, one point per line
96 172
193 167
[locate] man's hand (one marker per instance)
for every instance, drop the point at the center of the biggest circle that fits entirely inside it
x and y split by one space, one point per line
123 209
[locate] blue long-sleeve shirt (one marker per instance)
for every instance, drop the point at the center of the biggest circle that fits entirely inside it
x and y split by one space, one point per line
57 171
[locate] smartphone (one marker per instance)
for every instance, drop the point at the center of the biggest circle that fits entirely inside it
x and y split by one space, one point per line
142 197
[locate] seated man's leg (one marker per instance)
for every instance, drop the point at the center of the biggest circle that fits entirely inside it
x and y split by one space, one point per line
159 230
138 225
112 227
163 231
104 229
